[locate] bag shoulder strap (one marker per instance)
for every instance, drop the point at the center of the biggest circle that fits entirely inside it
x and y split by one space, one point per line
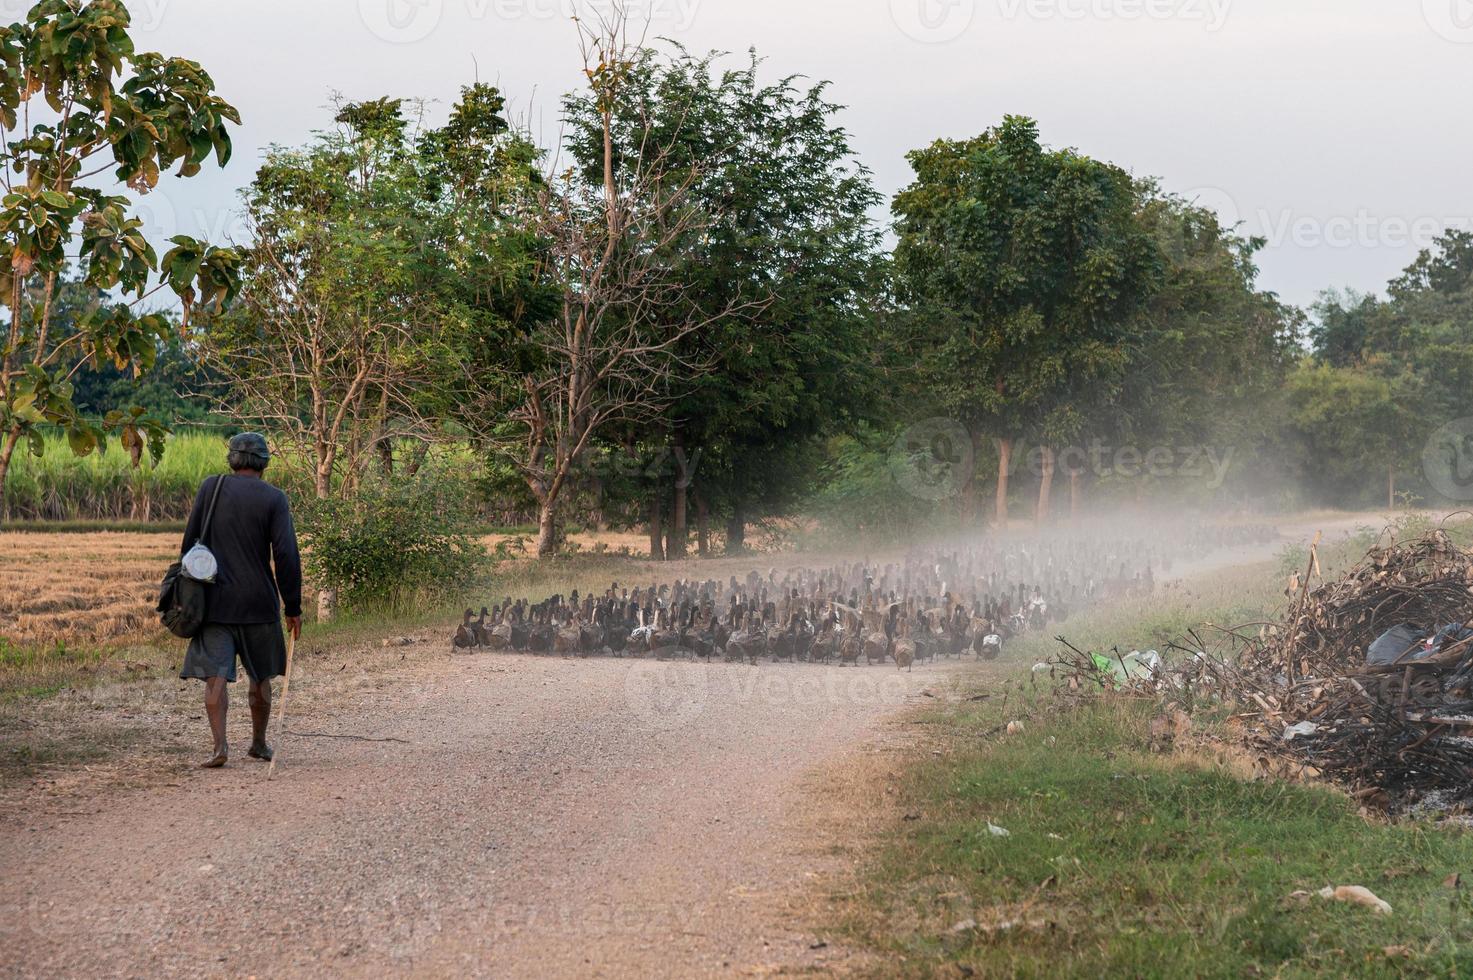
204 530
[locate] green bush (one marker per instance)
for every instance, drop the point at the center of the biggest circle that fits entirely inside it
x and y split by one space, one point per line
396 545
863 491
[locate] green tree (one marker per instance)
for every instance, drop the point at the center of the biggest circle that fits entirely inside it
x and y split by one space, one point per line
784 266
1415 345
77 101
615 352
323 347
380 274
1209 350
1349 430
1025 268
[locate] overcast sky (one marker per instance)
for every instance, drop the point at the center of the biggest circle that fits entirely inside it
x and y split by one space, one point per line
1342 130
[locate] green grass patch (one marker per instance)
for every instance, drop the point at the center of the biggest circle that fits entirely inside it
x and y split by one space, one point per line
1123 863
31 671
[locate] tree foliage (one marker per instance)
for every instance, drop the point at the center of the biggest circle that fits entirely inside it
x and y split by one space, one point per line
1025 269
77 102
386 261
1408 360
784 266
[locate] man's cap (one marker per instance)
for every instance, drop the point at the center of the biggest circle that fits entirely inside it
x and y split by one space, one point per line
250 442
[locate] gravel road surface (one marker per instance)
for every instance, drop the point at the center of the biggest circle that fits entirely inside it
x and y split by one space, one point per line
543 817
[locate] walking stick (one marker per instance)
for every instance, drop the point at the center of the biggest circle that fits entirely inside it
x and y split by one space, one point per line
286 685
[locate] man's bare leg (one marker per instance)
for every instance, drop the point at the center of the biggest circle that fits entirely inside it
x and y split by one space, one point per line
216 703
260 717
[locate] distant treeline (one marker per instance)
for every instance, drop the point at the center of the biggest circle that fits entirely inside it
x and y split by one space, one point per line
691 323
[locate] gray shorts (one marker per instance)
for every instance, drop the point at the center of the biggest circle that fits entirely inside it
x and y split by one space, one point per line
212 653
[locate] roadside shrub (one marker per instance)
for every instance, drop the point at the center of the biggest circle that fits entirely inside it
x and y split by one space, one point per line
863 492
397 545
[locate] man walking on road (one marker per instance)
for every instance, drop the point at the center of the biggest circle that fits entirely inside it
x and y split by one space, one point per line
251 530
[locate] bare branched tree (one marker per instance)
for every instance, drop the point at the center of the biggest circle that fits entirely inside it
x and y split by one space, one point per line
333 383
612 356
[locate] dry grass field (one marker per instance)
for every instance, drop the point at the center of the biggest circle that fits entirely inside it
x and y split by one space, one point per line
97 587
80 588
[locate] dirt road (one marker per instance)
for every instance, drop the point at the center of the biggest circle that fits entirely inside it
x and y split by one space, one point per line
511 816
544 817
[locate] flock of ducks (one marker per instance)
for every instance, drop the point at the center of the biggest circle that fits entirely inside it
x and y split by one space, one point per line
792 629
931 604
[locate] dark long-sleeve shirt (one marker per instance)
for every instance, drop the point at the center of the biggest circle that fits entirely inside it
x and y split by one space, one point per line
251 530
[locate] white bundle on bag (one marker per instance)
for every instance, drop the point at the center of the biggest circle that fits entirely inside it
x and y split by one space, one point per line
199 561
199 564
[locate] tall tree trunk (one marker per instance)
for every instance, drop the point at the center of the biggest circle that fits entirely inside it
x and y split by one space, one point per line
1045 486
1004 461
657 506
384 444
1391 487
1074 494
327 597
6 452
703 526
600 518
546 526
736 530
677 539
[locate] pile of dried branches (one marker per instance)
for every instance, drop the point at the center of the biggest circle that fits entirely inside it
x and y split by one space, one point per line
1396 734
1424 583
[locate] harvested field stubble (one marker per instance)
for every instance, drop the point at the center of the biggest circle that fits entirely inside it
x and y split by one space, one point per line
80 588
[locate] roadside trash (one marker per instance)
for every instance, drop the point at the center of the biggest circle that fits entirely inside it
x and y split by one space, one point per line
997 831
1303 728
1041 668
1133 666
1356 895
1395 733
1353 894
1407 643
